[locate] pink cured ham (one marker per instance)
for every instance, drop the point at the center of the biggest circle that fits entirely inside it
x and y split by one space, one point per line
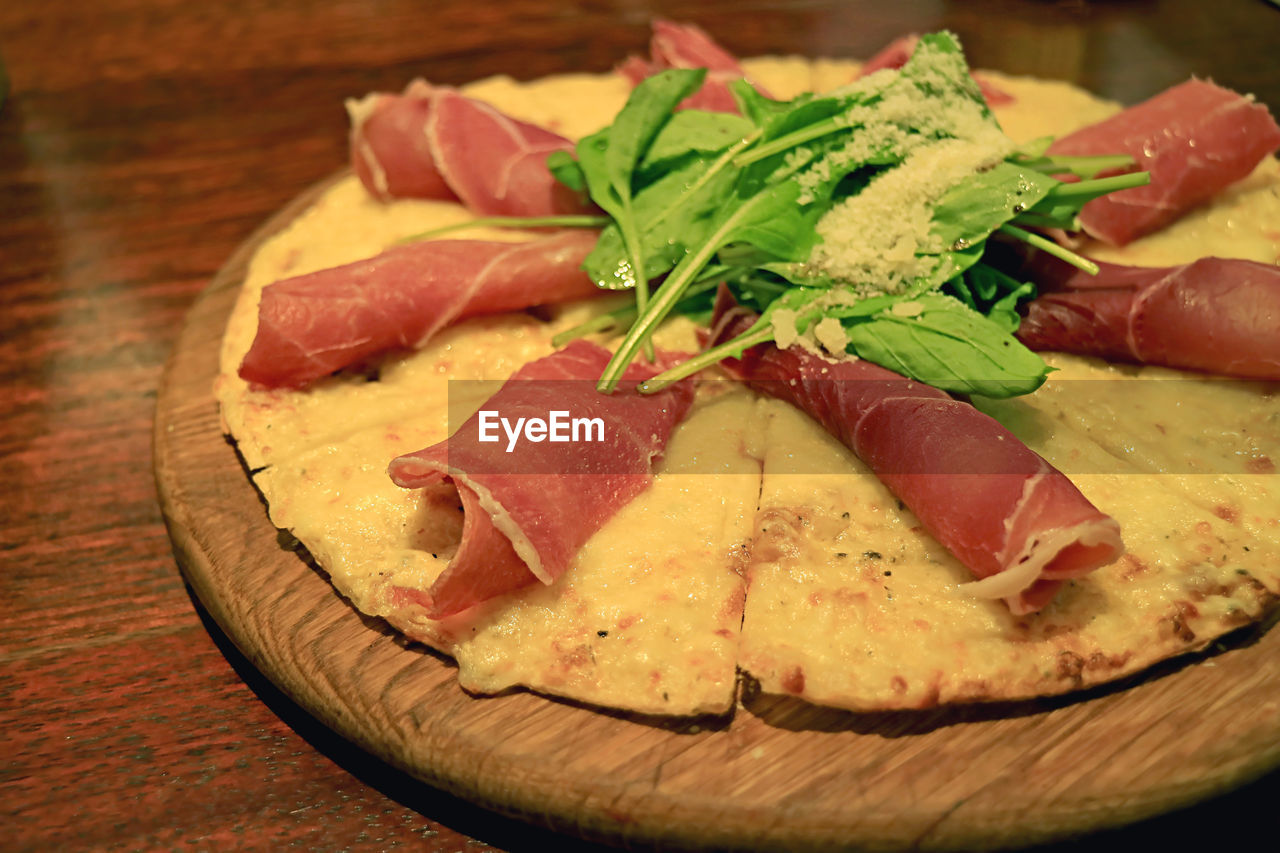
896 53
1219 315
527 512
1195 139
687 46
1017 523
313 324
432 142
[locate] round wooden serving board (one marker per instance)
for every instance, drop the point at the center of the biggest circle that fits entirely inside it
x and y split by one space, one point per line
780 774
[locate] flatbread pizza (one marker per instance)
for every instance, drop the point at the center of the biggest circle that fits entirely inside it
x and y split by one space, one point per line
761 546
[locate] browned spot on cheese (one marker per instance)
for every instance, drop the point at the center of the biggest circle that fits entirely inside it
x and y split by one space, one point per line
793 681
972 689
575 657
739 559
1099 661
1227 513
733 604
1183 612
1136 565
898 684
1260 465
1070 666
847 596
1236 616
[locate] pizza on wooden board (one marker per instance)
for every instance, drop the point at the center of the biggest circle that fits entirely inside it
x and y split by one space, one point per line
776 519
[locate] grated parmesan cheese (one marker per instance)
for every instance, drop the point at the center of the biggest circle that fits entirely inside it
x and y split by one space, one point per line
874 240
830 333
784 327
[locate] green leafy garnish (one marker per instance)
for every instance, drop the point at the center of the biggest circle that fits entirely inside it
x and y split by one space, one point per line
859 218
940 341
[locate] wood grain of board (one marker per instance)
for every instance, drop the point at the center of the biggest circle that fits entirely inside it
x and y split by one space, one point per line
778 773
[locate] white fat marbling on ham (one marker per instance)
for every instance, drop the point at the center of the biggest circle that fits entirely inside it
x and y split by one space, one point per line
312 325
433 142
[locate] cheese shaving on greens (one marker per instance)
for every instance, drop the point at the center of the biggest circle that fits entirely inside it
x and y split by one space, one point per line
881 240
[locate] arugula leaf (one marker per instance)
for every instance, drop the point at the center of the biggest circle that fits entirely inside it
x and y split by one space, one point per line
972 209
607 160
566 170
992 293
670 214
646 112
777 224
693 131
757 108
949 346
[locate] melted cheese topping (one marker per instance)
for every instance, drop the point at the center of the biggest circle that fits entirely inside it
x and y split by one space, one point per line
850 602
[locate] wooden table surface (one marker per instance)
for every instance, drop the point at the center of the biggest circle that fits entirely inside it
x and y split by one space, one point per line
142 140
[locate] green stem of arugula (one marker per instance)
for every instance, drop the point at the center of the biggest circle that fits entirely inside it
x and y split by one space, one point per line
1039 220
1051 247
1097 186
567 221
625 315
668 295
603 323
1084 167
642 284
632 241
725 159
791 140
707 358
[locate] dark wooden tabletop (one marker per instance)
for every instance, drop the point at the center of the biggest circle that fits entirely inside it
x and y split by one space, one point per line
141 141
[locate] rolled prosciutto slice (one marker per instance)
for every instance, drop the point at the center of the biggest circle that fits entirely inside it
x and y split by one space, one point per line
1194 139
527 511
687 46
1219 315
896 53
313 324
1017 523
432 142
